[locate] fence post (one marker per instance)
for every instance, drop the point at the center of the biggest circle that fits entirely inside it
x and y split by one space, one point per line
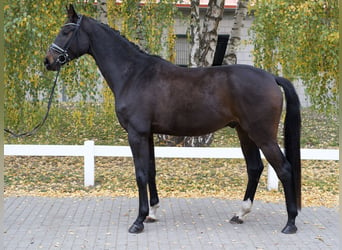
272 178
89 163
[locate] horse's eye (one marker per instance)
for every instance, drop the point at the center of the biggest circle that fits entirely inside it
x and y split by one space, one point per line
65 32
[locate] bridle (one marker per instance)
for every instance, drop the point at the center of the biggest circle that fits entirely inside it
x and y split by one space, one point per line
63 56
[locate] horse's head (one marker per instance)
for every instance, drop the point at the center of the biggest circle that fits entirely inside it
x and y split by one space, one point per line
70 43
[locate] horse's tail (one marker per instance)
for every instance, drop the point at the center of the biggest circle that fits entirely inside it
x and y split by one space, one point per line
292 128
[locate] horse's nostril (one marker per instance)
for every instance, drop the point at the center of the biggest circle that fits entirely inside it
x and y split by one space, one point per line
46 62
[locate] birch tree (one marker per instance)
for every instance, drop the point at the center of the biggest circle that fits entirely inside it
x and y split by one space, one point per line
195 36
29 29
300 40
203 42
102 11
149 25
209 33
235 35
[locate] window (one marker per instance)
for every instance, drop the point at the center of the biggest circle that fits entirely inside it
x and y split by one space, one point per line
182 50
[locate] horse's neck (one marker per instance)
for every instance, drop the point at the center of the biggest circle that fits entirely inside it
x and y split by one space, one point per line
114 56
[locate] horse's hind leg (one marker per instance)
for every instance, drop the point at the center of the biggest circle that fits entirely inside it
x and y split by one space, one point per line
154 200
282 167
254 169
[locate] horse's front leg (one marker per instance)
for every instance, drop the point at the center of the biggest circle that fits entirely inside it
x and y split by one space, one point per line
140 149
154 200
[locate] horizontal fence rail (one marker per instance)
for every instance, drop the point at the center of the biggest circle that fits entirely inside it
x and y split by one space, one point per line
89 151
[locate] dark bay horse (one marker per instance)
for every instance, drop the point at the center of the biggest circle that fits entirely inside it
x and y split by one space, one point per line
155 96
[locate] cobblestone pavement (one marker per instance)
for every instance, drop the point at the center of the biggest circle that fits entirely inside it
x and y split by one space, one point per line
102 223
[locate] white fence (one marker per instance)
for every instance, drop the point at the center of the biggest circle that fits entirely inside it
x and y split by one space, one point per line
89 151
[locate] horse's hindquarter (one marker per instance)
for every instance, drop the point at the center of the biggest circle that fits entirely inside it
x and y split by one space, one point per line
257 97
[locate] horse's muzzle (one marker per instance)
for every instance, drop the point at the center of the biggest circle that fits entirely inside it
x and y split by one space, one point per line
51 64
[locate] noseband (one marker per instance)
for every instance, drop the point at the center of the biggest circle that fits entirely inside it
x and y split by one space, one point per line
63 56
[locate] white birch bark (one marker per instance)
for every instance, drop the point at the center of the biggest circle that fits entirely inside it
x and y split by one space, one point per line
209 33
194 34
235 35
102 11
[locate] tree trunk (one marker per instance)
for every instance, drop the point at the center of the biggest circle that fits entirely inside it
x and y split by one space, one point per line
209 33
235 35
195 35
102 11
140 32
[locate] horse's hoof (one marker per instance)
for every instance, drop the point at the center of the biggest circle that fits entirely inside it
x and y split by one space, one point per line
150 219
236 220
289 229
135 229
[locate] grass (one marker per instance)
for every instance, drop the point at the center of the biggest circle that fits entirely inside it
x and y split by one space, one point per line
63 176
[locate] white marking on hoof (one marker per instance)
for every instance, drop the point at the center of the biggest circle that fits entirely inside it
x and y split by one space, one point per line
245 208
152 216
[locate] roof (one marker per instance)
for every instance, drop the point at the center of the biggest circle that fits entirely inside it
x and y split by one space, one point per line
229 4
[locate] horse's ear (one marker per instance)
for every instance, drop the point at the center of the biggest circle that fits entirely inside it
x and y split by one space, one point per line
72 15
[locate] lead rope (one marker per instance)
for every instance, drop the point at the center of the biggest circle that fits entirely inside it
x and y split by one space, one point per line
62 59
38 126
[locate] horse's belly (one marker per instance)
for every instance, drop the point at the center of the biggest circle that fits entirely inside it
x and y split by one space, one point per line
190 126
188 117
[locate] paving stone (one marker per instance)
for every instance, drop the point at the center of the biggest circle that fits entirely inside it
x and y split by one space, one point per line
103 222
